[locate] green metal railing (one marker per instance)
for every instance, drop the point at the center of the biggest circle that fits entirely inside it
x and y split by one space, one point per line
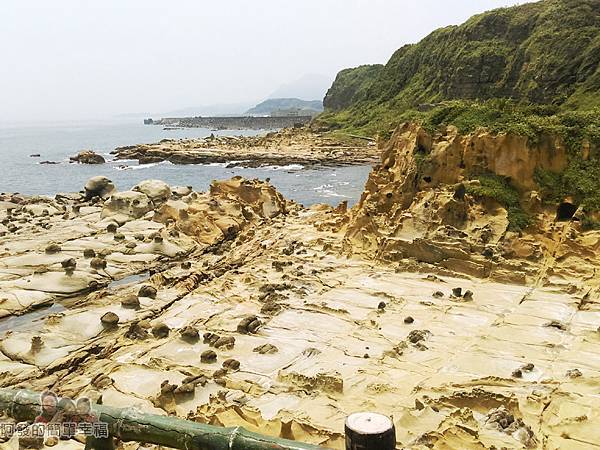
133 425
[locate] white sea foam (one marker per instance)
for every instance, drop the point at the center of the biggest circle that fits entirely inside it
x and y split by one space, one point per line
142 166
327 190
288 167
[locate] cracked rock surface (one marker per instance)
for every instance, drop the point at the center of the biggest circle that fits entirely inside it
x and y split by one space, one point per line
273 326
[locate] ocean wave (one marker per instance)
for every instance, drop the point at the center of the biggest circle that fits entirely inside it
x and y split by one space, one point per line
327 190
288 167
121 160
142 166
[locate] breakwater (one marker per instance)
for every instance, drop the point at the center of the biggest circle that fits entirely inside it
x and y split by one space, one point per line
234 123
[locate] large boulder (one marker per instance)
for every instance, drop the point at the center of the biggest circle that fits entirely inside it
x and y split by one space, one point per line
156 190
127 205
88 157
98 186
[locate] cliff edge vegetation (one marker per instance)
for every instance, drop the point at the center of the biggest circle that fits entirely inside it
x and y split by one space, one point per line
544 53
530 70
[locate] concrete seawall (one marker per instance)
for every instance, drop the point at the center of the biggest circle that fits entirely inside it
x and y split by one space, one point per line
243 122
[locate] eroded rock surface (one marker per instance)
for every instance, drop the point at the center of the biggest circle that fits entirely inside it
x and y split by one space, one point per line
270 325
88 157
290 146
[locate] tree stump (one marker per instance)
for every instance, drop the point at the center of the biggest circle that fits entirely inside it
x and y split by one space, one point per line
370 431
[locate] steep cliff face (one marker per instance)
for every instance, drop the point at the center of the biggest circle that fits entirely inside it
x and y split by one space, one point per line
350 86
466 203
546 52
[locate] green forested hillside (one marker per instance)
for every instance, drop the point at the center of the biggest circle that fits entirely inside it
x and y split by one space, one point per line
544 53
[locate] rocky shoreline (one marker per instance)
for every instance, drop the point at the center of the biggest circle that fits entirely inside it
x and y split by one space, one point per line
282 148
238 307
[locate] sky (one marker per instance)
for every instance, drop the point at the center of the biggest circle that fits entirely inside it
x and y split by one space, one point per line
86 59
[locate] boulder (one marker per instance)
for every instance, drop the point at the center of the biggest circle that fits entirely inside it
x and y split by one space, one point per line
127 205
88 157
156 190
98 187
181 191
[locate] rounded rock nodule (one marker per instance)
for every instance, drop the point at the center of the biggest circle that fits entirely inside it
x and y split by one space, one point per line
147 291
98 263
131 302
208 356
160 330
109 320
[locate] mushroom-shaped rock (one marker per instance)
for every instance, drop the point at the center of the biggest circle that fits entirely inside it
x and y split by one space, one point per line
52 248
195 380
98 187
147 291
219 373
416 336
36 344
208 356
69 264
136 331
231 364
160 330
227 342
167 388
187 388
112 227
131 301
189 334
249 325
528 367
265 349
109 320
123 206
89 253
98 263
156 190
210 338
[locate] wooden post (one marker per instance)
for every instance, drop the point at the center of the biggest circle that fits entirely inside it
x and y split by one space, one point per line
370 431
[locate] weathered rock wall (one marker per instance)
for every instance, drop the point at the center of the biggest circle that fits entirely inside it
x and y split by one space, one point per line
416 203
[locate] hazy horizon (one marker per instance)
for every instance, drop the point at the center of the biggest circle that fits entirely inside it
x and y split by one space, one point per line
84 60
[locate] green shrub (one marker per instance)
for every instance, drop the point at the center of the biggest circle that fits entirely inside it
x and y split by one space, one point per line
500 189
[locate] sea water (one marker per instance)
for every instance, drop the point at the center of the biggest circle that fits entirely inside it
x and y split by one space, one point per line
19 172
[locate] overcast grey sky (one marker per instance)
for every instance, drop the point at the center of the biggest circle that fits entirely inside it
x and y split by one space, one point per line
80 59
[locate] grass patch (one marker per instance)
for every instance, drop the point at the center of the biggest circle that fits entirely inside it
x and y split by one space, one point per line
500 189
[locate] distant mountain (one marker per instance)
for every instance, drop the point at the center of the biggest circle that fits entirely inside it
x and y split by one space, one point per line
281 105
307 87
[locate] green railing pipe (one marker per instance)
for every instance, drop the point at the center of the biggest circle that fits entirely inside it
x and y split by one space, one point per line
129 424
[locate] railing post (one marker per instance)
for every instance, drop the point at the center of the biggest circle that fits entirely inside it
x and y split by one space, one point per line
93 443
370 431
